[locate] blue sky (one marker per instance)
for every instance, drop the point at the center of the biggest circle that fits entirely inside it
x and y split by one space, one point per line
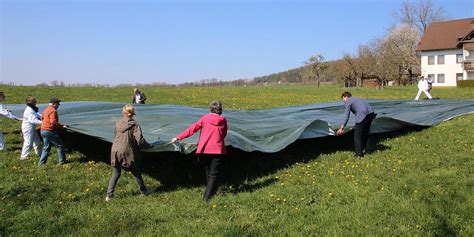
145 41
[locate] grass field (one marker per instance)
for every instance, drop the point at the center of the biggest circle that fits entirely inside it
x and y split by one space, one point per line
418 182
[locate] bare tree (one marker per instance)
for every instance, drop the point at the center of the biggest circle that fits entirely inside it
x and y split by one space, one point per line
315 66
345 70
419 14
427 13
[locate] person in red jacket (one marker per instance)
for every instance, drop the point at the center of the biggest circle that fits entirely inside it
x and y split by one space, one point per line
211 146
50 132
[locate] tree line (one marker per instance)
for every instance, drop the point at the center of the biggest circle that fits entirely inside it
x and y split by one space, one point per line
391 57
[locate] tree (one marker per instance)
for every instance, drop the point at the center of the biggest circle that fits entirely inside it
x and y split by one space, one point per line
398 51
369 62
315 66
419 15
344 71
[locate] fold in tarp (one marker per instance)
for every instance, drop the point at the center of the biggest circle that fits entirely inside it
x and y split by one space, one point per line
268 130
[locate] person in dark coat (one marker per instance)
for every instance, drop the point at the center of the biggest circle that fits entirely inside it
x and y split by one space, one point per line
138 97
125 152
364 115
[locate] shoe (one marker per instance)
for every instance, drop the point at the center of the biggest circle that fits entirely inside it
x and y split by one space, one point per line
149 191
358 157
108 199
65 162
24 158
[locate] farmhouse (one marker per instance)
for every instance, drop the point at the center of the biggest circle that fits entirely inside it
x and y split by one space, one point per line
447 51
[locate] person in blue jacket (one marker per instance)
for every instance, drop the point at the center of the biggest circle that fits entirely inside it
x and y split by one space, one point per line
364 115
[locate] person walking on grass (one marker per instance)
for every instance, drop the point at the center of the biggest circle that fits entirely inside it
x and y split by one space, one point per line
125 152
50 128
31 138
364 115
423 87
211 148
7 114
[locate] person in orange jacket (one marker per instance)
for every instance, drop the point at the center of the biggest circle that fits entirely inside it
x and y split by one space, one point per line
50 128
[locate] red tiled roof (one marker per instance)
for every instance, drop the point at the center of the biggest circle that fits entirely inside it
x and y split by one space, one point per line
445 34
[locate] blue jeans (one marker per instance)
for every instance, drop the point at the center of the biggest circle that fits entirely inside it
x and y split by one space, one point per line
51 137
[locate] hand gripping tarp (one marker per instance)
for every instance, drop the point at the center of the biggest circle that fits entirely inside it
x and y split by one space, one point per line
268 130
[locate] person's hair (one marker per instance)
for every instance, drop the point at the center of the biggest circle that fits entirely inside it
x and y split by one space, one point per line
30 100
215 107
128 110
346 94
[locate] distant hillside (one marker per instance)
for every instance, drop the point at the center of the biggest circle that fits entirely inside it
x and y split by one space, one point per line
296 75
291 76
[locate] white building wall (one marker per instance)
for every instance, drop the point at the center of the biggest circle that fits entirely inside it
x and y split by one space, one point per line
450 68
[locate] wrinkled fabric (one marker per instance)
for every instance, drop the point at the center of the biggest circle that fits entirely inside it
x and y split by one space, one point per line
268 130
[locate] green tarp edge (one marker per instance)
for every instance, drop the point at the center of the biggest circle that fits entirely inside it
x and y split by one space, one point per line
269 130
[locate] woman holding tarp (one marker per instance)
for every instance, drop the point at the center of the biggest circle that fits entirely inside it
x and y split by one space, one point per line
211 147
125 153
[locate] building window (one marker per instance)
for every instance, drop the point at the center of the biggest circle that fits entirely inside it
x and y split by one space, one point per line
458 58
459 76
440 59
430 60
440 78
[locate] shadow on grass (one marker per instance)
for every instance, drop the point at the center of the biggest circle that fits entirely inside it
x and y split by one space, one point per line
241 169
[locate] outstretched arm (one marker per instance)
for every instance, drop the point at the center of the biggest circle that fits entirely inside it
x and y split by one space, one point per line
141 142
8 114
347 113
193 128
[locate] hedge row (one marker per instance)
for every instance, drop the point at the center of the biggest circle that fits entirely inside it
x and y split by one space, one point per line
466 83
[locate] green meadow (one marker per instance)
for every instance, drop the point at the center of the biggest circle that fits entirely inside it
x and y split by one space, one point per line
417 182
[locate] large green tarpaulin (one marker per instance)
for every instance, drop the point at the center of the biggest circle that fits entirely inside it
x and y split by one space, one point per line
268 130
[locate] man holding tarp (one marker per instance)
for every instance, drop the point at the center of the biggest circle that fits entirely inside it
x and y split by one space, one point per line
50 132
364 115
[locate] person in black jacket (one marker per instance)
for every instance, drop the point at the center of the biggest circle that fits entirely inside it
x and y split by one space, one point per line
138 97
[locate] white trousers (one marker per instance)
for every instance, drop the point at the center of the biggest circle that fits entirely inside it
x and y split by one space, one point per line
2 145
31 138
426 93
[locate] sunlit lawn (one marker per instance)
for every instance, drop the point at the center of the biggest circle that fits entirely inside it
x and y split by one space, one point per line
417 183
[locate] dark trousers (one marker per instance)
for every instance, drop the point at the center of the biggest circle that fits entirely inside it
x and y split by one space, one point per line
361 134
212 164
117 171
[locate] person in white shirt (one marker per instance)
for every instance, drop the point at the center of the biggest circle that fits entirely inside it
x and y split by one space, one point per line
423 87
31 117
7 114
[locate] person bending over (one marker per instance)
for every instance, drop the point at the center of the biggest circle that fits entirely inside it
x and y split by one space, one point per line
364 115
